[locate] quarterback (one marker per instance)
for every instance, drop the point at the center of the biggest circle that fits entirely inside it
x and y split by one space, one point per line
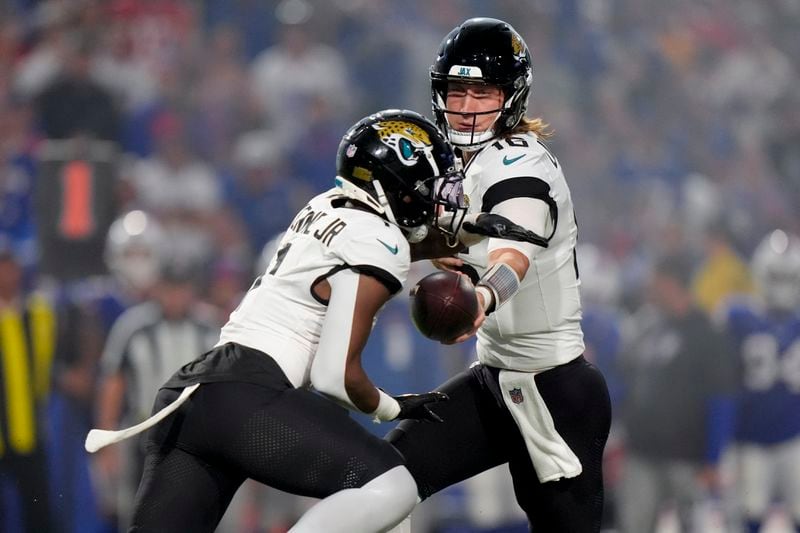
532 400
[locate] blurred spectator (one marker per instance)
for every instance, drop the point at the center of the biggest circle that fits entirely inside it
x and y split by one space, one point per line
116 68
27 349
152 47
259 192
223 101
253 19
161 34
74 104
17 171
290 75
41 65
722 273
782 143
179 188
146 346
767 335
679 376
315 148
371 33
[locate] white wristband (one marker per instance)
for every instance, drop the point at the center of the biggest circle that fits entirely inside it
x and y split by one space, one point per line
488 296
388 408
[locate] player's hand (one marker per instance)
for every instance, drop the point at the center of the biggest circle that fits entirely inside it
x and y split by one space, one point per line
416 406
475 325
498 226
448 263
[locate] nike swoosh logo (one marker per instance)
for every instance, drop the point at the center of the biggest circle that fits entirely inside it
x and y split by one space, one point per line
507 161
394 249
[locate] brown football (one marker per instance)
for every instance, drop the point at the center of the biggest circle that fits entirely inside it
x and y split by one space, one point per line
444 305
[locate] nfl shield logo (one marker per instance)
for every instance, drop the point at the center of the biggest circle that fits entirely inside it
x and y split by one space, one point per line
516 395
351 150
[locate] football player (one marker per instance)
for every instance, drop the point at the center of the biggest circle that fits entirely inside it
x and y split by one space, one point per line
244 409
767 334
533 401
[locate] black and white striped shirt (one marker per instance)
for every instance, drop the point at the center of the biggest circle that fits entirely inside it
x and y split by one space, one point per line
147 349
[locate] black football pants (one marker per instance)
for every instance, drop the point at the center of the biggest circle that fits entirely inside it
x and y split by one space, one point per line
478 433
290 439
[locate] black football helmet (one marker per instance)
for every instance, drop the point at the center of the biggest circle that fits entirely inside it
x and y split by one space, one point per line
397 163
776 270
489 52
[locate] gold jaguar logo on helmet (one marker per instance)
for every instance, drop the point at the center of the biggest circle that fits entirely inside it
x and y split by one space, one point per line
516 45
405 138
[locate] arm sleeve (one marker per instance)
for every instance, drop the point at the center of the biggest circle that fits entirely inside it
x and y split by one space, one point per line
328 367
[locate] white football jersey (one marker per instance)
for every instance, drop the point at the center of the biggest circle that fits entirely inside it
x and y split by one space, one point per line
280 315
539 327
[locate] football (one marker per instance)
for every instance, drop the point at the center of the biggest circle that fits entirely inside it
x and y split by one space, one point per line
444 305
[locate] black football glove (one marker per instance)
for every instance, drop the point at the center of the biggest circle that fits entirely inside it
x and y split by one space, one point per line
416 405
492 225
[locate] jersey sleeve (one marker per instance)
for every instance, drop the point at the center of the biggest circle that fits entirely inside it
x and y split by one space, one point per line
528 178
383 254
529 213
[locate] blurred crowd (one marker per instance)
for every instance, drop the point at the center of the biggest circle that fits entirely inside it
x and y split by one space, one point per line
150 150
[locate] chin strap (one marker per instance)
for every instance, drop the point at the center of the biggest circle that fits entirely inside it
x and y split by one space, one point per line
360 195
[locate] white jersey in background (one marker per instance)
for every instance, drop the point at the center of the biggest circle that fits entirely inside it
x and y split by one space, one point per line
539 327
280 315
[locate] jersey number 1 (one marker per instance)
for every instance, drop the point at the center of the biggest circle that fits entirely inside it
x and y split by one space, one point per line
280 255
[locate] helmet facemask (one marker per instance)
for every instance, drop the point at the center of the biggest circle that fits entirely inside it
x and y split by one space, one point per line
451 205
506 117
444 194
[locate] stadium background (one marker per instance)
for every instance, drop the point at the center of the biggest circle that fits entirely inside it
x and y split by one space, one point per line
677 124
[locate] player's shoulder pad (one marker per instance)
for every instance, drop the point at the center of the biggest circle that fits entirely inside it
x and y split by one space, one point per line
502 160
374 235
369 241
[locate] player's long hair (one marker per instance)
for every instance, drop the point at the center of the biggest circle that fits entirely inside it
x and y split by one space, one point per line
535 125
